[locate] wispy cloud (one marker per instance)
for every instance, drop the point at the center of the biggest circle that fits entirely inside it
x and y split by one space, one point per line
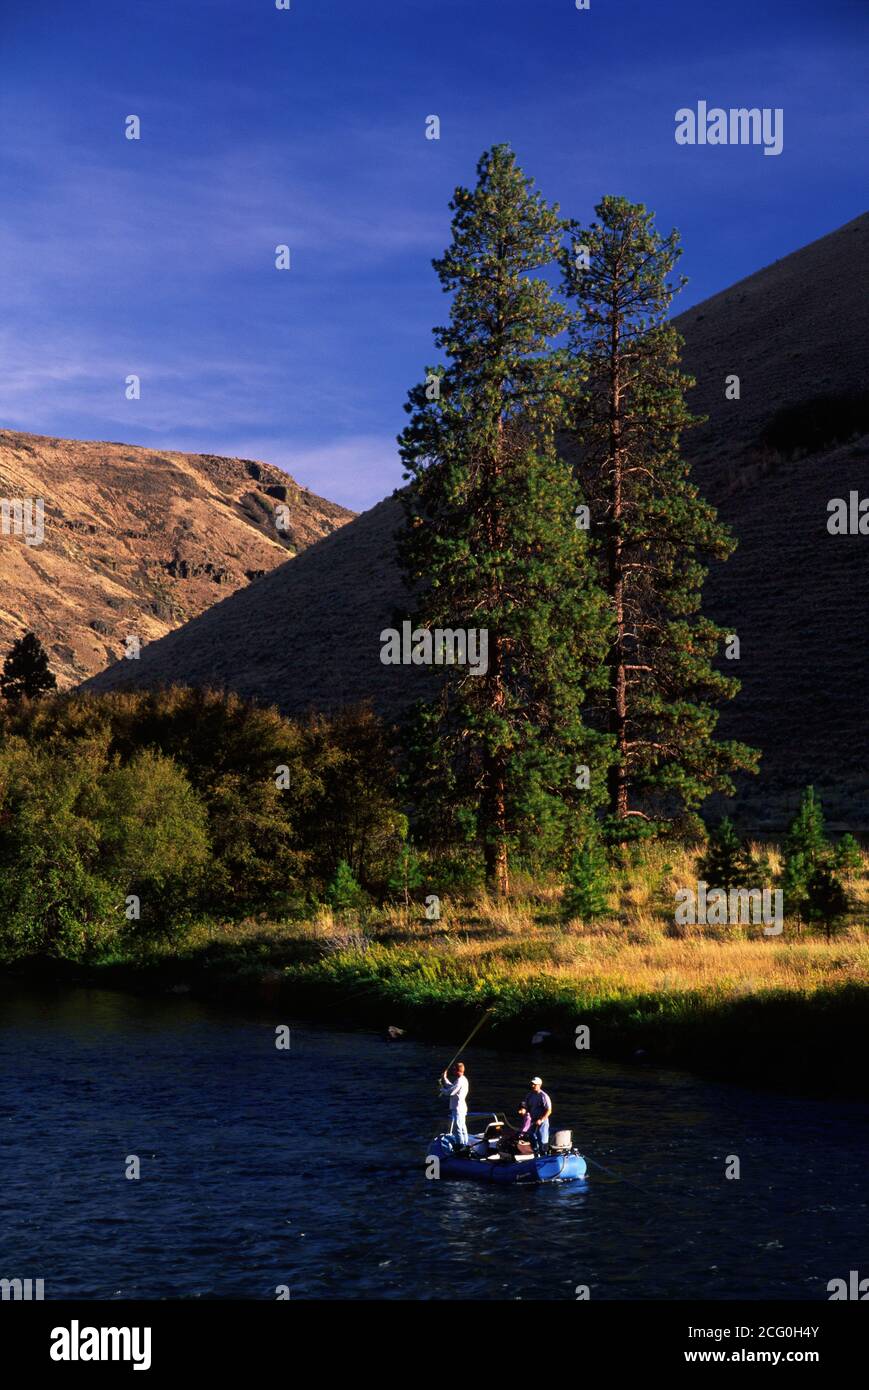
157 257
194 218
120 261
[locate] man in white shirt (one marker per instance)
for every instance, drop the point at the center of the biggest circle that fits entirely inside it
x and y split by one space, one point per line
458 1093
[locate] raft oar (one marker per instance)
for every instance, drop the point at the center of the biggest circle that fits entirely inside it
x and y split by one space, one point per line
620 1177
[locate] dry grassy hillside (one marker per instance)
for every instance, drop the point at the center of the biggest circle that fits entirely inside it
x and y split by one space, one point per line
307 635
137 542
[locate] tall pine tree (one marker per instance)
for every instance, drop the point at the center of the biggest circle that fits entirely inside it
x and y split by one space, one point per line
490 539
653 533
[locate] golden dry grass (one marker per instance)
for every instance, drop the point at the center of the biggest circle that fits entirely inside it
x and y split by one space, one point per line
635 950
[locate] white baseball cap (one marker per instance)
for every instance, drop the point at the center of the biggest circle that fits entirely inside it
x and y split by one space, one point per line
536 1081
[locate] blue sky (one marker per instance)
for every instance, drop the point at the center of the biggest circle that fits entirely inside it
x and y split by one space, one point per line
307 127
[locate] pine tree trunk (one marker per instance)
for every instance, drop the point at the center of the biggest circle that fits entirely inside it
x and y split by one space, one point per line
617 777
495 795
497 863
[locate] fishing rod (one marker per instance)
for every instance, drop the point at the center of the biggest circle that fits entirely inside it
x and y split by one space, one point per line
472 1034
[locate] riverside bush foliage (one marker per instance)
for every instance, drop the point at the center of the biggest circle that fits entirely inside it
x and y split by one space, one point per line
80 834
206 809
192 801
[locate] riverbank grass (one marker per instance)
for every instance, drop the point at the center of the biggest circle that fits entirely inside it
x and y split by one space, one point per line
787 1010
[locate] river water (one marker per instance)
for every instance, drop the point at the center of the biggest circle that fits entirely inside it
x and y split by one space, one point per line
304 1168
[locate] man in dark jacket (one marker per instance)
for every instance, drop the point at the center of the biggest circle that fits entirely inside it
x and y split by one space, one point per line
539 1107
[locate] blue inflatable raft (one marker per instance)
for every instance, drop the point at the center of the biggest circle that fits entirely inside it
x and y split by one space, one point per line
488 1159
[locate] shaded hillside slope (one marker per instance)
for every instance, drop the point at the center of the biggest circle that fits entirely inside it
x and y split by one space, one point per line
308 634
305 636
138 541
797 596
796 329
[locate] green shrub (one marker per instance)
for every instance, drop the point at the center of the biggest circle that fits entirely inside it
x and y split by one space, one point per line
848 857
825 901
54 899
589 881
727 862
806 849
154 838
344 894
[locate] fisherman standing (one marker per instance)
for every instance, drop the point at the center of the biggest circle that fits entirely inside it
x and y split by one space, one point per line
539 1107
458 1093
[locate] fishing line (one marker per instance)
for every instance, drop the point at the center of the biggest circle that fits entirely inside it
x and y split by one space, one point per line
651 1191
